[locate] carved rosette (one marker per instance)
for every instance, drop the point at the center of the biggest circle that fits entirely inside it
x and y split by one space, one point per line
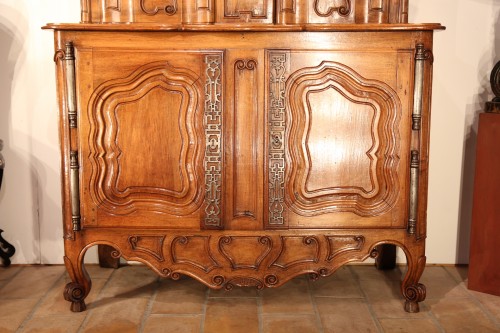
277 119
213 135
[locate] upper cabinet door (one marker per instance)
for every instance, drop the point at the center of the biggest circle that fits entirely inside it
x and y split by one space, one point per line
339 138
236 11
152 122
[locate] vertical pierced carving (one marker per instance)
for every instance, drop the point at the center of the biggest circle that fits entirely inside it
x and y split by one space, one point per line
278 66
213 135
342 10
414 170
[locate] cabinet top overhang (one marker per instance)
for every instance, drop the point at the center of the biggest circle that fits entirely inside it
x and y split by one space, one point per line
246 27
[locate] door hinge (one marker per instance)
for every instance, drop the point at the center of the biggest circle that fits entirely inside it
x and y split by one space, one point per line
414 171
75 190
421 55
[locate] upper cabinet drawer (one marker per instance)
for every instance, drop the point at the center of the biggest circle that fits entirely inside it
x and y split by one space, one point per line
281 12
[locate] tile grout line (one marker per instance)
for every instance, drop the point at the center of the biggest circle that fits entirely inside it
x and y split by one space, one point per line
204 311
149 306
367 300
98 297
319 323
260 310
474 299
39 303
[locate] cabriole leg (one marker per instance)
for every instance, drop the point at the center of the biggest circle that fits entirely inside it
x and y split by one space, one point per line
413 291
76 291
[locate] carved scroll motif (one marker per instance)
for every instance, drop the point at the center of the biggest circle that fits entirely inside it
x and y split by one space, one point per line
278 61
342 10
213 135
170 8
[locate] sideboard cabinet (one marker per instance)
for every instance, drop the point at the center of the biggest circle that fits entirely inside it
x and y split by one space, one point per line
244 143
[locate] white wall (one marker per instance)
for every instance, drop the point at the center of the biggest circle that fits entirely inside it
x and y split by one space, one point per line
30 198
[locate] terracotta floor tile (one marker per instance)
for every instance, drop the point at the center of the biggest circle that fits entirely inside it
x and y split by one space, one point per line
235 292
439 283
22 286
231 315
55 304
185 296
173 324
409 326
54 324
387 301
370 272
290 324
340 284
293 297
461 315
490 302
118 315
131 281
97 272
6 273
345 315
13 312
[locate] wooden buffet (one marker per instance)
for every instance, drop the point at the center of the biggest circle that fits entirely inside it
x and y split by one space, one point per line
244 143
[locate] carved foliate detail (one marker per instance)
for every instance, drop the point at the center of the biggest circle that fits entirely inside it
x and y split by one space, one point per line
236 249
338 245
290 256
277 120
152 245
193 251
168 7
213 136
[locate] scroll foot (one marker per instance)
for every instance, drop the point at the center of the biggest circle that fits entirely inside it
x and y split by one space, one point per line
75 293
414 294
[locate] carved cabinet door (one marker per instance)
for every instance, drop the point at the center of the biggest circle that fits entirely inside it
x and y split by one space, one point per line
150 137
339 138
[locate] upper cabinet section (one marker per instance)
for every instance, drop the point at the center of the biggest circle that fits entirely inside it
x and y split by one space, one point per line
280 12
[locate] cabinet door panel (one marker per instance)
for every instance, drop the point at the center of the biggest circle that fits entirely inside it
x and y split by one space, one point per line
346 139
145 120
